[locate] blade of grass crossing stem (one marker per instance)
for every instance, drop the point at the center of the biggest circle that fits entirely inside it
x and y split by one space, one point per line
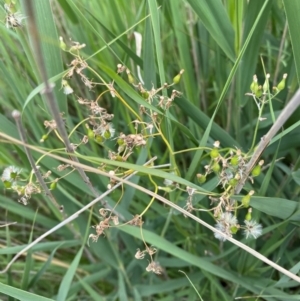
20 294
43 269
50 49
292 9
195 162
121 287
214 17
67 280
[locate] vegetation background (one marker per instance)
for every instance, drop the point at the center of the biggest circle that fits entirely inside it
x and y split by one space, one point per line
220 45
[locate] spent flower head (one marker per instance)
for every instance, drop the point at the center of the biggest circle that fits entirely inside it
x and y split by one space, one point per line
252 229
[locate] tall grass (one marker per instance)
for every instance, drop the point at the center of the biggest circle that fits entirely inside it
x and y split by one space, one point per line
149 188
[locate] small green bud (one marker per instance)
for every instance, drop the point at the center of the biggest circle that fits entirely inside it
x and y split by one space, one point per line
120 141
145 94
62 44
53 185
233 182
234 161
248 216
99 139
90 134
234 229
214 153
201 178
281 85
216 167
254 85
266 83
44 137
7 184
130 77
107 134
119 158
256 171
177 78
258 92
246 200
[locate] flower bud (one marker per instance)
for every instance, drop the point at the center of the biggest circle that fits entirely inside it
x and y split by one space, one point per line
256 171
44 137
216 167
145 94
234 229
107 134
248 216
90 134
234 161
53 185
99 139
266 83
7 184
130 77
62 44
281 85
258 92
254 85
201 178
214 153
233 182
177 78
246 199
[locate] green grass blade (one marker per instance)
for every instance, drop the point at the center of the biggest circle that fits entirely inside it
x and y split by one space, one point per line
215 19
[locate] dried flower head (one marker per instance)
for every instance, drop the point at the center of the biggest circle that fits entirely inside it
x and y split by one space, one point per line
154 267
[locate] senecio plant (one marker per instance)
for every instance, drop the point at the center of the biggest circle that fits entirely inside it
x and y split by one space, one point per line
229 164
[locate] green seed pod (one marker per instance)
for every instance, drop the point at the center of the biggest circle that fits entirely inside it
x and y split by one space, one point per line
201 178
99 139
13 175
258 92
107 134
120 141
214 153
130 78
234 229
7 184
254 85
216 167
233 182
177 78
234 161
246 200
281 85
145 94
119 158
44 138
90 134
256 171
53 185
266 84
62 44
248 216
